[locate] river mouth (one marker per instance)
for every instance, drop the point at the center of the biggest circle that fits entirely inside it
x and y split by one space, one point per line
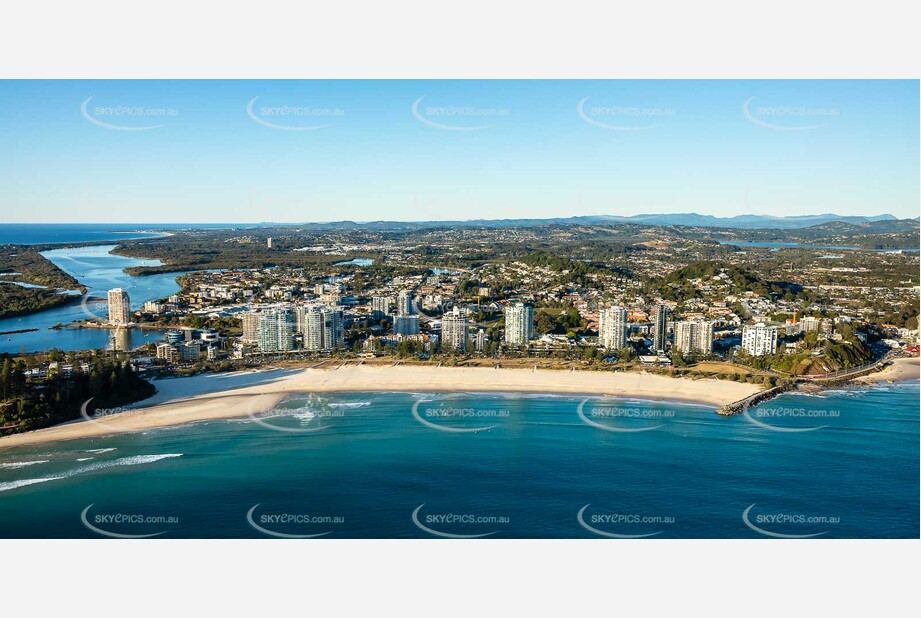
99 271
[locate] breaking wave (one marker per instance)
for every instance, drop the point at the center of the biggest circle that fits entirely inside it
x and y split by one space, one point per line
124 461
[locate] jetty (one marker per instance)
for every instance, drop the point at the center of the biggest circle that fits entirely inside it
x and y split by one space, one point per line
737 407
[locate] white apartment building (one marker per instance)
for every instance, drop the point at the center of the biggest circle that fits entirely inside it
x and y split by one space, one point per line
759 339
612 328
659 327
695 337
519 324
324 329
479 343
167 352
454 329
119 307
810 324
380 306
276 330
250 327
405 303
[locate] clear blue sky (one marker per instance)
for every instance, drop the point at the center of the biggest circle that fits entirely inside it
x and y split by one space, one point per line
524 149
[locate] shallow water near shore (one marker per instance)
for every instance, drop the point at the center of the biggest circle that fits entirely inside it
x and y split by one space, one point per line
426 465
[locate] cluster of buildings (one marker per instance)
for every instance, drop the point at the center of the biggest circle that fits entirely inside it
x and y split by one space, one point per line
189 345
313 308
455 331
690 336
317 328
693 337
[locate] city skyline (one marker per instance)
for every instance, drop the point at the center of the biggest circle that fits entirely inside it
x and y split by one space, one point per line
296 151
390 276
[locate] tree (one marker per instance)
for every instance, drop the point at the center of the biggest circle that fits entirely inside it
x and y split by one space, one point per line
6 379
544 324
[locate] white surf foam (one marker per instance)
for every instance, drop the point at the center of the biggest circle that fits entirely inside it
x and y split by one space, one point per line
14 465
124 461
304 416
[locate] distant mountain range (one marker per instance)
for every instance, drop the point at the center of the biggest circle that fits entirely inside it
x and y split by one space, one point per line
746 221
687 219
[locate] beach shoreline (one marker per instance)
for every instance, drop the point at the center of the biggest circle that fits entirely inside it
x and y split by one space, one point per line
901 370
223 396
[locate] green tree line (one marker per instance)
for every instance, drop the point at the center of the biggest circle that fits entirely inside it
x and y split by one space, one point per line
27 404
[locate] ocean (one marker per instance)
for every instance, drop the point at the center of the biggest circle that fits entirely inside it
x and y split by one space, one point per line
48 233
42 233
467 465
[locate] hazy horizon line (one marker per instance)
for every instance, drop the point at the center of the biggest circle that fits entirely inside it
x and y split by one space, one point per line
455 220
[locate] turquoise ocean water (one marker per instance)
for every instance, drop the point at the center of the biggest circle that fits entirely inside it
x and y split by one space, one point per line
402 465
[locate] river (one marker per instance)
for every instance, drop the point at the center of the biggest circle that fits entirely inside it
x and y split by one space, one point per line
98 270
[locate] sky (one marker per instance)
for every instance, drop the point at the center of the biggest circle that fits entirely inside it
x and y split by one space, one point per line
298 151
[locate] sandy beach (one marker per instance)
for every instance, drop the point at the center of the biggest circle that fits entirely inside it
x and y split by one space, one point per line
901 369
231 395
